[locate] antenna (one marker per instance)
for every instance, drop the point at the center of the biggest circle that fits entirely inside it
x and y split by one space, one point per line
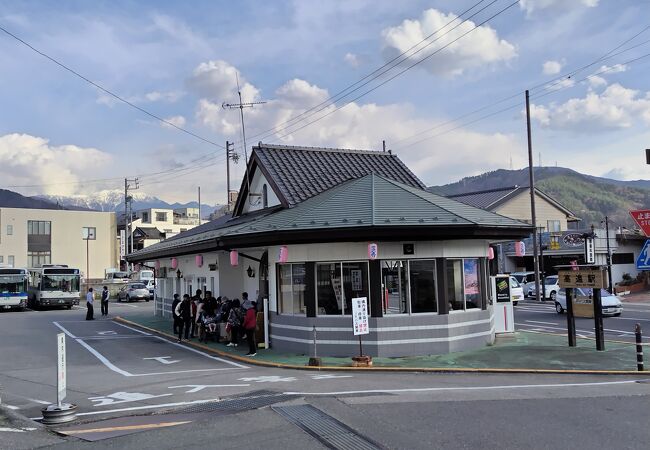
241 105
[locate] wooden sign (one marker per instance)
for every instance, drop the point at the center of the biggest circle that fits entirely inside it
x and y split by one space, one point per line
582 279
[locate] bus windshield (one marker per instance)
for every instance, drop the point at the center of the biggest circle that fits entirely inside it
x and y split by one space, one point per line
63 283
13 284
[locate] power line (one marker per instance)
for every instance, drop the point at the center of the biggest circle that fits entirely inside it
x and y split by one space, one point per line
112 94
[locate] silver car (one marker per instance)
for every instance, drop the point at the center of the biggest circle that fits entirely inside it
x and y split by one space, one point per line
133 291
611 304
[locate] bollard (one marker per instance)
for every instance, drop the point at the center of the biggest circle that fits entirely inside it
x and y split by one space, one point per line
639 348
314 360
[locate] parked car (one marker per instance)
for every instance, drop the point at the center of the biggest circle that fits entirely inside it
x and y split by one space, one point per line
151 285
611 304
551 288
525 279
133 291
516 291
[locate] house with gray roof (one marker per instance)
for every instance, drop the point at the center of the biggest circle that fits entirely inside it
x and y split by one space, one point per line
315 229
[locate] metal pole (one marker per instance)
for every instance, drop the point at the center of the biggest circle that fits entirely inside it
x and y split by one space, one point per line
126 194
87 259
531 178
639 348
199 205
570 318
541 265
315 351
360 348
609 257
598 320
227 176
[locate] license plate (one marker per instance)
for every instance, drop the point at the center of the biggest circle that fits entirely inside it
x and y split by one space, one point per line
60 301
7 307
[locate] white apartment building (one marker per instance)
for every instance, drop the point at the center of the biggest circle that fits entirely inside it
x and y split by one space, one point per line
156 224
33 237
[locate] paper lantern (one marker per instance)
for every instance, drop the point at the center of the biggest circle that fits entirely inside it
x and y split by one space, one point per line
234 258
284 254
199 260
520 248
157 265
373 251
174 263
490 253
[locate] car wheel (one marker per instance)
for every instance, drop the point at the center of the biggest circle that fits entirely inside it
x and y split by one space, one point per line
147 300
128 299
559 308
514 303
553 296
617 315
68 307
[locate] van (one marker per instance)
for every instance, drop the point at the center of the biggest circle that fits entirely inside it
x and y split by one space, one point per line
526 280
117 277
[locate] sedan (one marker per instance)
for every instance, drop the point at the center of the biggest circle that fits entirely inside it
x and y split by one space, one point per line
516 291
551 288
133 291
611 304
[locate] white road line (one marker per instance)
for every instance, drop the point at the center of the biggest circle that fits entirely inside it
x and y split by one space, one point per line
466 388
104 360
12 407
108 338
216 358
631 318
132 329
136 408
543 323
124 304
70 335
16 430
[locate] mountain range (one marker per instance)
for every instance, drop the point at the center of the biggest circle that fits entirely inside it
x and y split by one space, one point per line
588 197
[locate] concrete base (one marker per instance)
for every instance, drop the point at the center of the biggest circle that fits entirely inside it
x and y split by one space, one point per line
362 361
315 362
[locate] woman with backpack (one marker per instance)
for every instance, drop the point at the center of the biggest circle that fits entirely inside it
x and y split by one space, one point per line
235 319
250 324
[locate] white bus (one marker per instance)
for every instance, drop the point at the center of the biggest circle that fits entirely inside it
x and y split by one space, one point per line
13 288
54 286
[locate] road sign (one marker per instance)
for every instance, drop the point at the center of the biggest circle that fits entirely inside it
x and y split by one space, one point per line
642 219
582 278
643 261
61 375
590 251
360 316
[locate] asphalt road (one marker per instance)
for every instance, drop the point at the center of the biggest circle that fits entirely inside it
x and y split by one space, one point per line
123 375
531 315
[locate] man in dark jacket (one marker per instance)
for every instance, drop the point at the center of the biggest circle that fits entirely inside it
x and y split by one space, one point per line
196 300
184 311
104 301
177 319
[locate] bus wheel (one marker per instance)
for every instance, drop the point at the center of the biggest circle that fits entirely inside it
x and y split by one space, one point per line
68 307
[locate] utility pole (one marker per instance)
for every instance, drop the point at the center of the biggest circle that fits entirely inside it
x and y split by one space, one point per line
230 154
199 205
531 177
609 257
128 210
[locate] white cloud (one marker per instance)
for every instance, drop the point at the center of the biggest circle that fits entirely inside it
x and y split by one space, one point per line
596 81
560 84
179 121
352 60
27 160
616 107
551 67
217 81
167 97
477 49
531 6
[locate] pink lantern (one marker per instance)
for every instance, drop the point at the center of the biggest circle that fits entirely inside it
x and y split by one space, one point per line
490 253
284 254
157 265
199 260
234 258
174 263
520 248
373 251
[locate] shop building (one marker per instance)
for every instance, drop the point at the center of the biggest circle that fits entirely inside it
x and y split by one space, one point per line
315 228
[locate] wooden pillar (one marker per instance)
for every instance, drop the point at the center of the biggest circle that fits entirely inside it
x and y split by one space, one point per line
375 290
310 289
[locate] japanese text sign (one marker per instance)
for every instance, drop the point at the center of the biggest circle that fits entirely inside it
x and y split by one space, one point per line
581 279
360 316
642 219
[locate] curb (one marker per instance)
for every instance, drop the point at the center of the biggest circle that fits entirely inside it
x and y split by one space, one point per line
256 362
14 416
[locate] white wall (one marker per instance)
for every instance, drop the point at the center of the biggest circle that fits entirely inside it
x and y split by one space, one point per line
257 182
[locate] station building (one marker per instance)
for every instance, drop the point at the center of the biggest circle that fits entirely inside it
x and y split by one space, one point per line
300 236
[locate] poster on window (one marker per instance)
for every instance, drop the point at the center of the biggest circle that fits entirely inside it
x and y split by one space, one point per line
355 277
470 275
360 316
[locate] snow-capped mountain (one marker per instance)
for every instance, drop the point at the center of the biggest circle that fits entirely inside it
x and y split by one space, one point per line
113 200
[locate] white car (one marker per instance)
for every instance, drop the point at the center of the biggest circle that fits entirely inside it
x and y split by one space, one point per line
525 279
516 291
133 291
551 288
611 304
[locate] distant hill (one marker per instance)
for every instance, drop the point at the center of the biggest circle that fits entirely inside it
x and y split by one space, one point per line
590 198
10 199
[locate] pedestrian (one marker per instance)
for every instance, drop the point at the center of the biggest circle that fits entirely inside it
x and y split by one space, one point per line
175 316
245 302
235 319
104 301
184 312
89 304
196 301
250 324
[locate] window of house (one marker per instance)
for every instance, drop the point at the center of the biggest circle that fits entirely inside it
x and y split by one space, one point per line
395 286
422 278
145 217
2 259
409 286
553 226
161 217
37 259
10 260
338 283
38 227
291 289
265 197
10 230
463 284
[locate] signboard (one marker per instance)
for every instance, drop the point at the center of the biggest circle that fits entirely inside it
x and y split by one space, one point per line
642 219
373 251
502 289
581 279
60 368
122 244
360 316
356 280
590 251
643 261
89 233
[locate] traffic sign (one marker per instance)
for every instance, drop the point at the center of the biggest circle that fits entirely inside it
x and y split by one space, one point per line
643 261
642 219
61 377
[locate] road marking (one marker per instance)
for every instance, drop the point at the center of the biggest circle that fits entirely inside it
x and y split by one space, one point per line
106 333
216 358
163 359
268 379
467 388
138 408
123 397
104 360
329 376
543 323
12 407
148 426
132 329
17 430
200 387
124 304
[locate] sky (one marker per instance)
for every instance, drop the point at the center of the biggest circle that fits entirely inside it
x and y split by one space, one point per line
450 102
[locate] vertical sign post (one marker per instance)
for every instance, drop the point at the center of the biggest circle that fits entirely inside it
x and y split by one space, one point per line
60 369
590 251
360 319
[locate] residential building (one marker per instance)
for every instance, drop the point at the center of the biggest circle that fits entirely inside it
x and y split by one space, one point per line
316 228
33 237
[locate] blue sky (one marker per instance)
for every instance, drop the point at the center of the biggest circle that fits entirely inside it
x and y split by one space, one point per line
178 60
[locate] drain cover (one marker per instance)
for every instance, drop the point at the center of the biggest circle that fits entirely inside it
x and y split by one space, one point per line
241 402
325 428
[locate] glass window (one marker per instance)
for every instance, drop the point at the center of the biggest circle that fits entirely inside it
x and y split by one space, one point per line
10 260
553 225
161 217
291 289
455 284
64 283
39 227
422 276
37 259
464 284
395 286
472 284
328 289
2 259
10 230
355 283
298 290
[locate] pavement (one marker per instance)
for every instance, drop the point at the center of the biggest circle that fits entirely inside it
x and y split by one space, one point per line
531 349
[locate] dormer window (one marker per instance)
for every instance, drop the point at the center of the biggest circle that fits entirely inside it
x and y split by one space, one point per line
265 197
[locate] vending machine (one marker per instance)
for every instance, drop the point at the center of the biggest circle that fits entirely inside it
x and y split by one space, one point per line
502 308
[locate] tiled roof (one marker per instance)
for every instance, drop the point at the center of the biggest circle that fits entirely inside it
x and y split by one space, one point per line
299 173
150 232
486 199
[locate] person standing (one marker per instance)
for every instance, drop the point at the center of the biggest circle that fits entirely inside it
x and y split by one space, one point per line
235 319
104 301
184 312
89 304
196 301
250 324
175 316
